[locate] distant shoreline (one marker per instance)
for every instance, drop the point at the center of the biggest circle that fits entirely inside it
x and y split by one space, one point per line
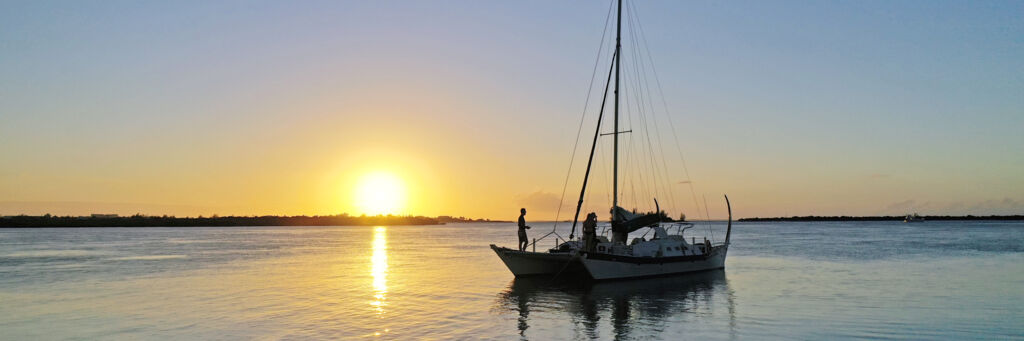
102 220
881 218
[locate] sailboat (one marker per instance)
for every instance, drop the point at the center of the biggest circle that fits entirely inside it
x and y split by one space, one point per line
913 218
667 252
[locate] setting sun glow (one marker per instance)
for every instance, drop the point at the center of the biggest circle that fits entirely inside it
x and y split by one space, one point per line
380 193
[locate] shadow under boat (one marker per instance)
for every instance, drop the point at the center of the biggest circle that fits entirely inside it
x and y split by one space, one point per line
652 300
668 285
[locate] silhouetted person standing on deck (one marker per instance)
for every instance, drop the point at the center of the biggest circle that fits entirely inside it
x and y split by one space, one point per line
590 232
522 230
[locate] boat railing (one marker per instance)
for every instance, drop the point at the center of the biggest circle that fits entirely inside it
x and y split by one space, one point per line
558 237
605 229
680 226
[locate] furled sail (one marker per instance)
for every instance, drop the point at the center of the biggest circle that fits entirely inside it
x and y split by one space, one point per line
624 222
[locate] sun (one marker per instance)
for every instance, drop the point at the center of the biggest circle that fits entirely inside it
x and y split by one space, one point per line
380 193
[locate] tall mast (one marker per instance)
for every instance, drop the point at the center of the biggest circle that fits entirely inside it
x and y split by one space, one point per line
618 59
593 147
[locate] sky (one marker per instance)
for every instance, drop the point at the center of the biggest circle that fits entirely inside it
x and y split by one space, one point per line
473 107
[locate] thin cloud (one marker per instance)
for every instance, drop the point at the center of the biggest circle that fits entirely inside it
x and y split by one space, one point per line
1002 206
539 200
998 206
902 205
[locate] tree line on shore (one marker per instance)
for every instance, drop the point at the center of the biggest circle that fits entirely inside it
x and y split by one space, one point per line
883 218
140 220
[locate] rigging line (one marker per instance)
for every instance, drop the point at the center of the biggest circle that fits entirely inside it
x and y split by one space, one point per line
634 169
634 153
672 127
586 104
590 193
601 156
618 62
645 190
649 190
632 158
604 176
632 192
628 156
593 146
625 171
634 162
710 231
633 175
635 94
639 100
641 114
643 84
605 170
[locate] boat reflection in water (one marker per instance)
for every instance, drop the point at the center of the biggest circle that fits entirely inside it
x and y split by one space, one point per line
631 308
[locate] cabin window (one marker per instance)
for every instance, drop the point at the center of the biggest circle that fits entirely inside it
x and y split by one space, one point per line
600 248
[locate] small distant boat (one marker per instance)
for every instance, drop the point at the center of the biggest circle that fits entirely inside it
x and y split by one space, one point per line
913 218
666 251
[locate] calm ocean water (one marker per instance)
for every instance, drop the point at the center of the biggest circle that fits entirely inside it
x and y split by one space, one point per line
810 281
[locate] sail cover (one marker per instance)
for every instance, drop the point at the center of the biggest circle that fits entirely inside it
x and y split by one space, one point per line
624 221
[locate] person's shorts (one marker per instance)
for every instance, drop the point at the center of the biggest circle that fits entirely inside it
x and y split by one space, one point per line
522 236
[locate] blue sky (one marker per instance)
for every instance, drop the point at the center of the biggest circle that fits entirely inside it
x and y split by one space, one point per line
845 107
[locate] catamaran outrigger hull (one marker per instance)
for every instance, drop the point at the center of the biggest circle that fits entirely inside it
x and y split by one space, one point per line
524 263
605 268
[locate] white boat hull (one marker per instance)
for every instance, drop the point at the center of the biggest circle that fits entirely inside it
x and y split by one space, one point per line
524 263
634 267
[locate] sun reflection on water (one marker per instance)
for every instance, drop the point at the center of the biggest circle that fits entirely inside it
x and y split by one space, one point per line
379 269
